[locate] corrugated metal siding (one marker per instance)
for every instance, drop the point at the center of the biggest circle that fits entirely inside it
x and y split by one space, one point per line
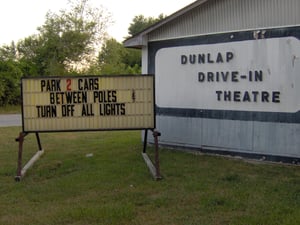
250 137
230 15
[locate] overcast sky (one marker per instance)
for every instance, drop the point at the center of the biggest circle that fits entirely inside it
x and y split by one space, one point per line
20 18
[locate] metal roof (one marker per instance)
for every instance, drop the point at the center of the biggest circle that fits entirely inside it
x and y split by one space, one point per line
138 40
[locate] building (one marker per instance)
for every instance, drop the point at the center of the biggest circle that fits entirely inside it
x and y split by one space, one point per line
227 77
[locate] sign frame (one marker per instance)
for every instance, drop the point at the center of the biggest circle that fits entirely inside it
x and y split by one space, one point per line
153 167
153 109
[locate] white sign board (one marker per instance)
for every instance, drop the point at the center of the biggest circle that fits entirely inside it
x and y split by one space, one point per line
78 103
253 75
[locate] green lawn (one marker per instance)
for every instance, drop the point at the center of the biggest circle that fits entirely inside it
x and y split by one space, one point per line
10 109
114 186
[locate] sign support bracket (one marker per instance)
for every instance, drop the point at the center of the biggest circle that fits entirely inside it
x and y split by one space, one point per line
21 171
153 168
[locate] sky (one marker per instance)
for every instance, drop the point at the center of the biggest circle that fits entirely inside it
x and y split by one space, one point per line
20 18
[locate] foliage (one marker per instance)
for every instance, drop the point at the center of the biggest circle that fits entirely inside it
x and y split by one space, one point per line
10 75
8 52
141 22
115 59
65 40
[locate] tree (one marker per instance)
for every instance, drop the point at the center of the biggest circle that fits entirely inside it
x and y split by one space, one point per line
8 52
115 59
10 75
66 40
140 23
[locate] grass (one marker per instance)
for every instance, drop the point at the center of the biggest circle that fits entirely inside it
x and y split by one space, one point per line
114 186
10 109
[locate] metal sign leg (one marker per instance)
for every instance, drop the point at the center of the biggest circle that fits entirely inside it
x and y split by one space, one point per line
156 134
145 140
38 141
154 169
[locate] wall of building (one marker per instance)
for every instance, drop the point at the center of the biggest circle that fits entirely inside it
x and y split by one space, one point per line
192 113
217 16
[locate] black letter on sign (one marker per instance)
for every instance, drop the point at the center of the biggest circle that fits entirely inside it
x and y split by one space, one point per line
219 95
183 59
276 97
43 84
201 77
229 56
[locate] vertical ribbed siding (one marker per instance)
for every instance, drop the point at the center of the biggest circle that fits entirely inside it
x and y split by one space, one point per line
231 15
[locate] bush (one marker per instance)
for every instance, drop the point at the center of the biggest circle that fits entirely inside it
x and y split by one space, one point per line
10 76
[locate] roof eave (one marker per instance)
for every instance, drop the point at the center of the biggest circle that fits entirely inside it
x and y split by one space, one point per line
135 42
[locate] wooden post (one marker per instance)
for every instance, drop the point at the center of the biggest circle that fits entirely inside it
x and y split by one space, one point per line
154 168
20 139
156 134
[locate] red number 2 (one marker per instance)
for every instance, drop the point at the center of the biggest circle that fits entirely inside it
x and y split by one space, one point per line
69 85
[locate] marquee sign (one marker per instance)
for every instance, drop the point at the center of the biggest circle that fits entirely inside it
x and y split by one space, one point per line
82 103
252 75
